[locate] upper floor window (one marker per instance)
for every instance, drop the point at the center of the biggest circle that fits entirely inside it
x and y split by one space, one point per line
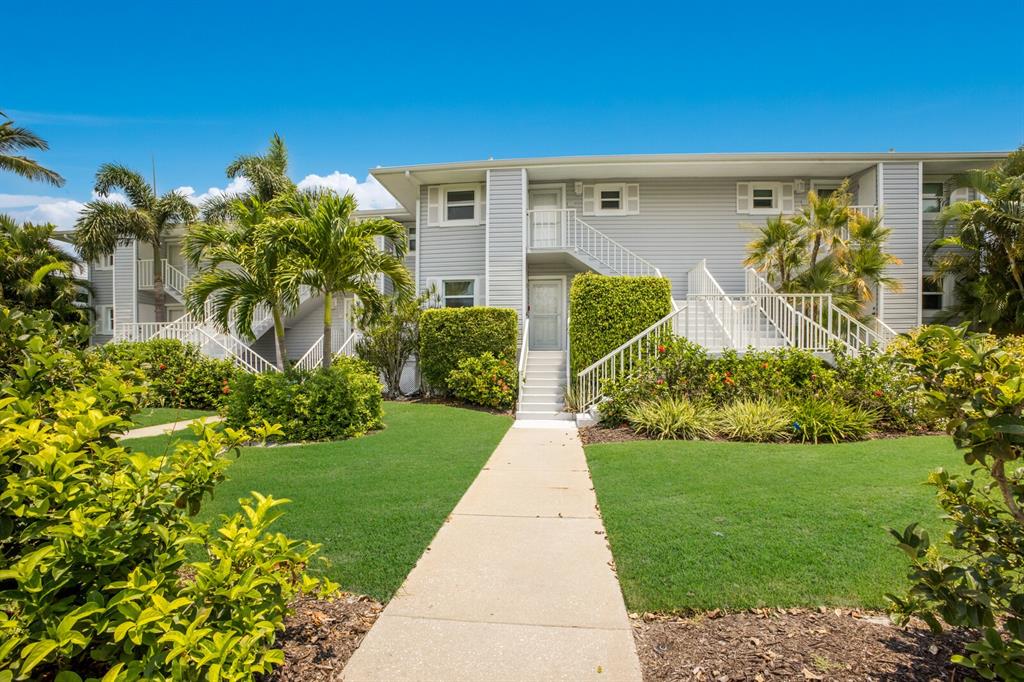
105 262
764 197
411 232
611 198
458 293
460 205
931 197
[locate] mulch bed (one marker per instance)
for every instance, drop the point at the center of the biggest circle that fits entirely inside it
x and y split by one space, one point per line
793 644
591 435
322 635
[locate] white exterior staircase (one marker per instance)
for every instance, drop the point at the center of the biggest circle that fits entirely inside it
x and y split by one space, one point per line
542 386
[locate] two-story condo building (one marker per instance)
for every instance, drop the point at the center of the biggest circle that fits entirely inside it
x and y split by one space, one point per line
513 233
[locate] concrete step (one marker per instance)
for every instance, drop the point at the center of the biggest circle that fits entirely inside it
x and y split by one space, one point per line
549 416
545 353
546 364
544 373
541 403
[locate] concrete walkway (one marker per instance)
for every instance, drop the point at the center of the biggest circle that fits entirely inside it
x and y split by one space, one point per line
517 584
163 429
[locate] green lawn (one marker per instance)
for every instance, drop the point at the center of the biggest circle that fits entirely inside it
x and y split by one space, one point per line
151 416
374 502
704 525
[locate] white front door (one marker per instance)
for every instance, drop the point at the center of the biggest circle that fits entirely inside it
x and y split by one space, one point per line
545 218
547 305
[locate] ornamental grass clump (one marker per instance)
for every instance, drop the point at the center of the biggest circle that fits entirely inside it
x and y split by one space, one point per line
757 421
671 418
820 420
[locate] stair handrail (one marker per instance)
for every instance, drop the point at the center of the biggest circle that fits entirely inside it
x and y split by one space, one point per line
626 358
313 357
578 235
262 365
701 285
521 367
174 278
799 329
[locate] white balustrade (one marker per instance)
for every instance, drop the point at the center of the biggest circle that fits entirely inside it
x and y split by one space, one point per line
561 229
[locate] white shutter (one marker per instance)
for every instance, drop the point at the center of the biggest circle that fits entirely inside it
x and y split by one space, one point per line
481 204
437 299
588 200
788 204
633 199
434 205
743 197
479 297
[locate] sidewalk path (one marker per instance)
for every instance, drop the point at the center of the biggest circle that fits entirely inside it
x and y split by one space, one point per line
162 429
517 584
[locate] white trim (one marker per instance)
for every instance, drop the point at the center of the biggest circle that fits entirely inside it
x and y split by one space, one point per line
560 186
563 302
619 187
135 281
487 238
105 315
102 263
775 187
880 201
526 201
477 189
419 246
920 238
442 298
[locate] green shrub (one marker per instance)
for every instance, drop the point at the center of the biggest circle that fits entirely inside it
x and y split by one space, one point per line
176 374
605 312
672 418
973 382
95 537
757 421
884 384
322 404
391 336
830 419
486 381
450 335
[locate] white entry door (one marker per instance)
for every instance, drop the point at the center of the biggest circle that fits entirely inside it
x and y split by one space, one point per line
547 319
545 218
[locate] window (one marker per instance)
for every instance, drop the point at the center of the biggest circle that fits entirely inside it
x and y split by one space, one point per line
764 198
411 231
611 198
931 197
460 206
105 262
931 295
105 319
458 293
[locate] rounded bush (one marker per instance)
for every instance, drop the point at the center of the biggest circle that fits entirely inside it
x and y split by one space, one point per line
450 335
485 380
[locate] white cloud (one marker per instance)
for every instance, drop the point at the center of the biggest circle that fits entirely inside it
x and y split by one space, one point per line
40 208
369 193
236 186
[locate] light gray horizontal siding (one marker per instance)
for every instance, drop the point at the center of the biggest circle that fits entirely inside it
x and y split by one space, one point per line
901 199
505 268
449 251
681 221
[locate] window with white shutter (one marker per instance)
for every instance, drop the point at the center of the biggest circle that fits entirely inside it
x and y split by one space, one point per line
588 200
611 198
765 198
434 205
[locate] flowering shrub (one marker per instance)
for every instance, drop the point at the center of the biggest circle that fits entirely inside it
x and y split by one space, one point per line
974 382
176 374
95 538
485 380
343 401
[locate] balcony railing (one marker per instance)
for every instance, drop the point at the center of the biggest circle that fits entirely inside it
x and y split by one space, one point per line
561 229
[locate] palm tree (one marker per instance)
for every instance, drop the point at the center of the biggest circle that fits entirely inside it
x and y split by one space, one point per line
985 250
336 254
253 246
864 260
35 274
102 225
779 252
824 219
14 139
267 175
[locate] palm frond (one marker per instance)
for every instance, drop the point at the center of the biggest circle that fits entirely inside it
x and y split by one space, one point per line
102 225
113 176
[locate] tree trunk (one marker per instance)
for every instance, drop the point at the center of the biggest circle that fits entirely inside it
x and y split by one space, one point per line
814 251
159 296
327 354
282 349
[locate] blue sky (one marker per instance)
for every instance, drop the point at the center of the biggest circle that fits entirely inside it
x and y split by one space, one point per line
356 85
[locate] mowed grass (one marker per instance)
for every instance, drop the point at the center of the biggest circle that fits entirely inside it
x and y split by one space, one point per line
375 502
151 416
705 525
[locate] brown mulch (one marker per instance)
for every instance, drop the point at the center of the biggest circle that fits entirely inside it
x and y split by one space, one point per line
793 644
322 635
591 435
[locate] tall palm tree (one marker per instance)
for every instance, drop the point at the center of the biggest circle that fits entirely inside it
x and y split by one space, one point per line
779 252
242 269
267 175
336 254
102 225
824 219
14 139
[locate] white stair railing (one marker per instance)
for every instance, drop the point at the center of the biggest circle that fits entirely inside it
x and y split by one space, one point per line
521 367
174 279
144 273
561 229
315 355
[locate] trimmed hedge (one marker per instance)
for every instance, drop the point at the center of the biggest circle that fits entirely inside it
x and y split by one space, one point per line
605 312
450 335
340 402
176 374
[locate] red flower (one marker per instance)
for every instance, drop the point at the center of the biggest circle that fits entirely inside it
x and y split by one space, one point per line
661 381
729 381
225 390
764 365
878 393
661 349
163 366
